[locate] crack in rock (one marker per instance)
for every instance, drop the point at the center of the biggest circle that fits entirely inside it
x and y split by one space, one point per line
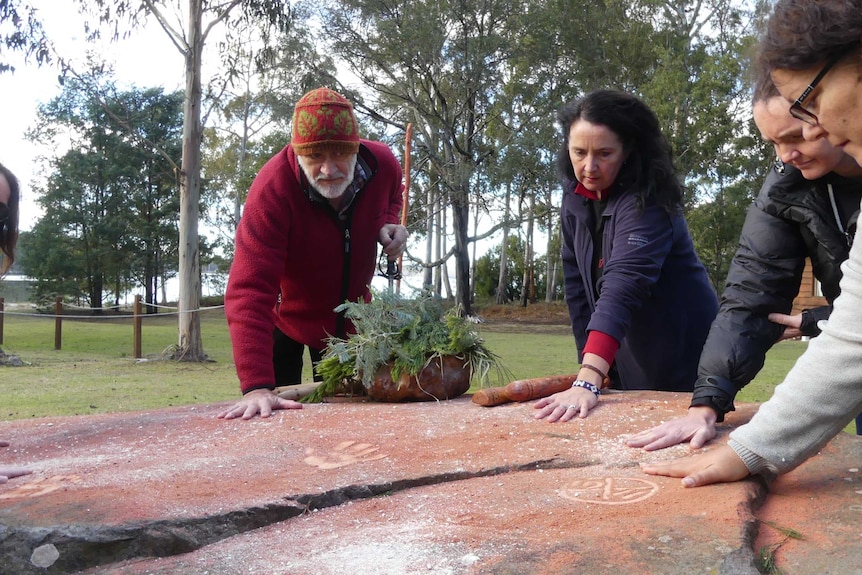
86 547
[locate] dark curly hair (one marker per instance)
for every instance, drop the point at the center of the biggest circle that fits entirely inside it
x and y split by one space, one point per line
803 34
649 169
9 228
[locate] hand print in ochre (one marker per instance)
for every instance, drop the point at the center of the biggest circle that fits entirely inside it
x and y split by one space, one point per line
345 453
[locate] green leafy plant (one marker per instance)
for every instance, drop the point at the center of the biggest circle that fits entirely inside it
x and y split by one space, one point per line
406 334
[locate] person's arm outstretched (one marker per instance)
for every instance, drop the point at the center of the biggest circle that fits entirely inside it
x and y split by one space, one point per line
821 394
762 280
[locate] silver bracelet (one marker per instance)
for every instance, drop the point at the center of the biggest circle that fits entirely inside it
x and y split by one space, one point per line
586 385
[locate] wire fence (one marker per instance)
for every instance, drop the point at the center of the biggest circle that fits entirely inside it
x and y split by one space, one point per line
107 313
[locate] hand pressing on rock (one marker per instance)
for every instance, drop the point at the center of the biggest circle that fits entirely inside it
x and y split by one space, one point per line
7 473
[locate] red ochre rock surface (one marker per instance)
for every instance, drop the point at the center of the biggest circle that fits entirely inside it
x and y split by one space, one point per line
441 488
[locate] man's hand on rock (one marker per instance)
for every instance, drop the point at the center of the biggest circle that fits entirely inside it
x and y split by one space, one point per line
259 401
7 473
697 427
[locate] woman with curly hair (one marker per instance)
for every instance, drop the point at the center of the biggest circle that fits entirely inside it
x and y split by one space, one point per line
639 299
9 198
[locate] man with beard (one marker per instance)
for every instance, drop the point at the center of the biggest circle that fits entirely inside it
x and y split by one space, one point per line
307 242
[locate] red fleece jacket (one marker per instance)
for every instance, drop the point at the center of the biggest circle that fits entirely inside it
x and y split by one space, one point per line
288 243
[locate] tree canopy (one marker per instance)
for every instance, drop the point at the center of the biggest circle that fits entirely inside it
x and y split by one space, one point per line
110 203
479 81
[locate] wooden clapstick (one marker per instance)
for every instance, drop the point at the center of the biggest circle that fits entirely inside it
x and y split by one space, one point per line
524 390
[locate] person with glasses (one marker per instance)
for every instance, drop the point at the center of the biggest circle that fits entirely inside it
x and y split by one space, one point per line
813 51
807 207
9 199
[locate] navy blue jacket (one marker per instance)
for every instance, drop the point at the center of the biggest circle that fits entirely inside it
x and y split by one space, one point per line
654 293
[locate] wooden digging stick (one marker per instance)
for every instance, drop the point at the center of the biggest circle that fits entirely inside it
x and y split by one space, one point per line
524 390
296 392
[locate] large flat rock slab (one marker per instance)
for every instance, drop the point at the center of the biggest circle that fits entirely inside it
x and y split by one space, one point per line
364 487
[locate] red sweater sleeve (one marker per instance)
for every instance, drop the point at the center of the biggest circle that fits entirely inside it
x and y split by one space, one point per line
602 345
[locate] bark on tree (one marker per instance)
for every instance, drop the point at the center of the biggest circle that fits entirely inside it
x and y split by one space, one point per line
189 344
527 291
503 279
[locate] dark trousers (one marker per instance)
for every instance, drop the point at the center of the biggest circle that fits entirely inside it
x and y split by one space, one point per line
287 359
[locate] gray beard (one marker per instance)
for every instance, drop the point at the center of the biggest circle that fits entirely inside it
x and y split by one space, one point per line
327 190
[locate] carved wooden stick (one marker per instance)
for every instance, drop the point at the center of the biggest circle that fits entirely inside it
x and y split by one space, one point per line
524 390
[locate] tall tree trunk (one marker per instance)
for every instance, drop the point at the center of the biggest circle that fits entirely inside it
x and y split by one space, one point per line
243 146
190 345
164 291
460 223
96 292
427 272
503 279
430 237
444 286
551 258
527 292
438 244
473 256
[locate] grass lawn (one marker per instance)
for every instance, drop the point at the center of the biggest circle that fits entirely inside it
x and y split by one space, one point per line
94 371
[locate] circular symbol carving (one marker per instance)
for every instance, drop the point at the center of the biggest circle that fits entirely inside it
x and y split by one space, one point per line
610 490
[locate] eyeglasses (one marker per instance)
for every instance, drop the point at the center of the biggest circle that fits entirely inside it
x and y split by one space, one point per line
796 109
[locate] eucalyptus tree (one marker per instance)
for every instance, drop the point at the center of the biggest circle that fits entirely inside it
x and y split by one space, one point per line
524 137
698 86
437 64
701 93
687 59
21 32
152 125
188 25
252 109
111 193
716 223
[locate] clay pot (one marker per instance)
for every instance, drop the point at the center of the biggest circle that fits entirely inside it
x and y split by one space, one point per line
443 377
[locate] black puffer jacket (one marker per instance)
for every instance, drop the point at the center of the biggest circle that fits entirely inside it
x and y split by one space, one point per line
791 219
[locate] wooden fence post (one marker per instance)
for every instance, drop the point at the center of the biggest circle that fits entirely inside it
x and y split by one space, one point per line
2 315
136 323
58 323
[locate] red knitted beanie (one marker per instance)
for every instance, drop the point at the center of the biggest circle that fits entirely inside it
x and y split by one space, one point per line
323 119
